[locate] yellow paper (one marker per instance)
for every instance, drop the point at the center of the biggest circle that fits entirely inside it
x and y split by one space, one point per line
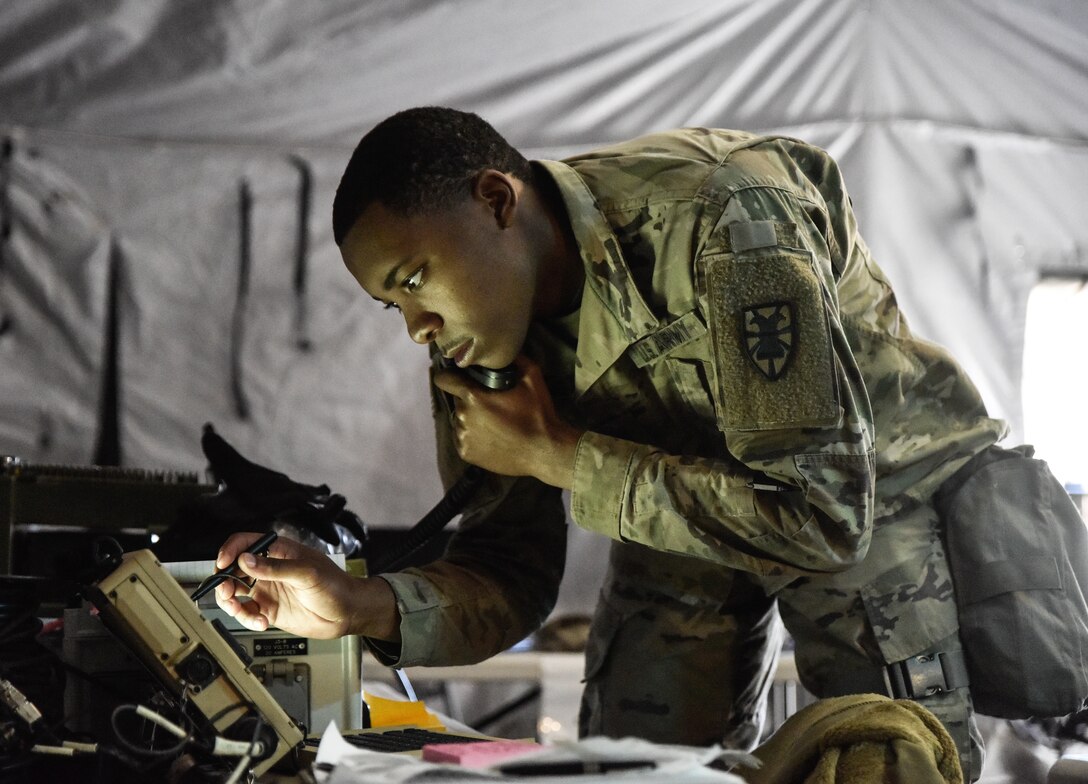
394 713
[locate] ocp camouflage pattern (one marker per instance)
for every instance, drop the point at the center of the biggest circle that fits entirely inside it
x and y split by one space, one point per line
814 484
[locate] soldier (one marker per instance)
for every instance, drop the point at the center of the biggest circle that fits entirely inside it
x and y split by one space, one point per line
713 365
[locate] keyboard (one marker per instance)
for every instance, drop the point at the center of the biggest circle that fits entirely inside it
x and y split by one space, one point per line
398 740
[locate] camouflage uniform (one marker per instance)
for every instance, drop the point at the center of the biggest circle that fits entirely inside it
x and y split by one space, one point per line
762 425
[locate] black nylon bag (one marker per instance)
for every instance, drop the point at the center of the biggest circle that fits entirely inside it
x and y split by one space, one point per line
1018 552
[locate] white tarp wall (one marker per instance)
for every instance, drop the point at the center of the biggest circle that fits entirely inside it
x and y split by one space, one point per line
145 141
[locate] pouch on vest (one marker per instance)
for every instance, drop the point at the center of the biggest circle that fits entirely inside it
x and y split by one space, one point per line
1018 550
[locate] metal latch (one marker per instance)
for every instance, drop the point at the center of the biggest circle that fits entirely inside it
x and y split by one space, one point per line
916 677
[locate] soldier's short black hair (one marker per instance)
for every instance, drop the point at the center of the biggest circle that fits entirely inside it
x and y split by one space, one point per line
418 161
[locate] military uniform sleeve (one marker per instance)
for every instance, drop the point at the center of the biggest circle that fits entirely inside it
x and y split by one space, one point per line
792 489
497 581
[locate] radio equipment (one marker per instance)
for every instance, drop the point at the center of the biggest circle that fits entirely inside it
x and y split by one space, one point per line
55 504
196 661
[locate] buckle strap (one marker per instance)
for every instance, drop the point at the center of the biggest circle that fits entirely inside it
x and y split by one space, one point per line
926 674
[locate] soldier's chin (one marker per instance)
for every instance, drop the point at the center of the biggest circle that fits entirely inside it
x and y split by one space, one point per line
499 359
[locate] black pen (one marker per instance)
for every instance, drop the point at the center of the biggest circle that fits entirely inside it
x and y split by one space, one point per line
571 767
260 547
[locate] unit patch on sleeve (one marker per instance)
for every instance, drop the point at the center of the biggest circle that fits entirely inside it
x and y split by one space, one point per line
769 336
772 341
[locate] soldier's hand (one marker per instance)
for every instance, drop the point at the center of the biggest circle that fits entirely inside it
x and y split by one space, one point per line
515 432
300 590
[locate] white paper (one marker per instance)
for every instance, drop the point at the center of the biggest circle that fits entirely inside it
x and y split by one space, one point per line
674 764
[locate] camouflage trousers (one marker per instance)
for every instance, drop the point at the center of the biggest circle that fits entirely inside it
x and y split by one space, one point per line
669 659
679 652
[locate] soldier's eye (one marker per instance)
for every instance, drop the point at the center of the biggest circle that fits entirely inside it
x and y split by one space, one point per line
414 281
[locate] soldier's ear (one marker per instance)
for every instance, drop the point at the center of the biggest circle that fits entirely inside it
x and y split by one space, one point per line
500 192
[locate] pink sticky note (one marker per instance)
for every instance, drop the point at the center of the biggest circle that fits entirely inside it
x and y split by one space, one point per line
479 754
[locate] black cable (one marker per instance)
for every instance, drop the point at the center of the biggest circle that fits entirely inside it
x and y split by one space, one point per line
106 555
28 665
434 521
17 769
221 713
258 726
99 682
463 489
143 751
201 591
16 629
485 721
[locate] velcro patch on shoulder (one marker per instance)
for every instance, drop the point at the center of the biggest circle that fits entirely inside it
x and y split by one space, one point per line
751 235
772 343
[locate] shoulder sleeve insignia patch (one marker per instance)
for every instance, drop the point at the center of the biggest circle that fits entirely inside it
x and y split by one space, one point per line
771 337
769 332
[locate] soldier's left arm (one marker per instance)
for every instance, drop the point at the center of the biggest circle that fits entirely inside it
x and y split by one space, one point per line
793 489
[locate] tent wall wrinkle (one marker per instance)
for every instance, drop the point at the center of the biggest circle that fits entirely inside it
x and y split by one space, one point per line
960 127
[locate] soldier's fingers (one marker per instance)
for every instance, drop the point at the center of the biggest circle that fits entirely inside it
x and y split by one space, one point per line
249 615
226 601
452 382
235 544
224 592
525 365
297 572
532 376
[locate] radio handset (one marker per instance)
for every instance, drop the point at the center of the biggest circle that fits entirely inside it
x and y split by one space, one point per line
489 378
462 490
499 380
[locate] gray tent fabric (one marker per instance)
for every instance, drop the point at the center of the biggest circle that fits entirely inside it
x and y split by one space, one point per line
167 169
550 74
136 126
53 309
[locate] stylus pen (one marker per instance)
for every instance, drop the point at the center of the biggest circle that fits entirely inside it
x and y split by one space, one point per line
571 767
260 547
